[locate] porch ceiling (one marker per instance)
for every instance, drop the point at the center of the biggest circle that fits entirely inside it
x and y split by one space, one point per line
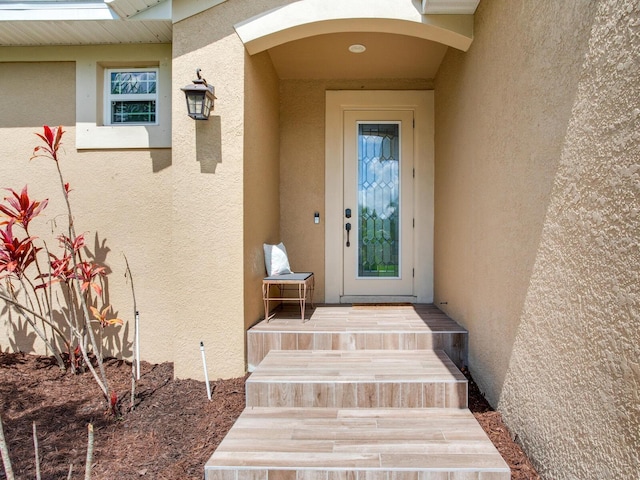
386 56
308 18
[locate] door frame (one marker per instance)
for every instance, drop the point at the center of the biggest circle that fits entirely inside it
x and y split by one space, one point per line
422 104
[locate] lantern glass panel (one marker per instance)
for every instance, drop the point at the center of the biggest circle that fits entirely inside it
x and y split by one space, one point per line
195 103
207 106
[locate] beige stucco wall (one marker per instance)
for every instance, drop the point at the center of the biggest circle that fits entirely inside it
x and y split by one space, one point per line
187 226
302 157
119 197
261 177
229 184
265 184
537 225
55 106
210 190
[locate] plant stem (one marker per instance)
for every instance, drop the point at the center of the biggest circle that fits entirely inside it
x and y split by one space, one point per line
134 373
43 335
49 298
85 356
87 317
46 294
23 310
4 450
83 302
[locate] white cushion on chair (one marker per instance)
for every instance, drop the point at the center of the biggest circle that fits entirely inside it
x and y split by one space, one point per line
276 260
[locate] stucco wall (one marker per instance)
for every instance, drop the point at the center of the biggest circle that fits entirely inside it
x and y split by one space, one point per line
209 190
302 157
119 197
537 229
53 106
262 176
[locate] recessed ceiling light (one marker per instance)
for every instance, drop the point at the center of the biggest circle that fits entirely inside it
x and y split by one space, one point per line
357 48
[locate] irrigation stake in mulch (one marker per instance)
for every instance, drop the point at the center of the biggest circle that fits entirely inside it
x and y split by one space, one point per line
137 345
206 374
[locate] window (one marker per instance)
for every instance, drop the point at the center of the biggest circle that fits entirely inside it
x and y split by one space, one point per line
131 96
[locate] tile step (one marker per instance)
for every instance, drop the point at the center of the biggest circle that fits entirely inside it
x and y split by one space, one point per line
357 379
418 327
356 444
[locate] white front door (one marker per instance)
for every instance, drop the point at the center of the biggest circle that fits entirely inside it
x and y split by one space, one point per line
378 203
379 167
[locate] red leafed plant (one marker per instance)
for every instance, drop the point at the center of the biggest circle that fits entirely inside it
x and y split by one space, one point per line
30 286
15 254
20 208
87 272
52 139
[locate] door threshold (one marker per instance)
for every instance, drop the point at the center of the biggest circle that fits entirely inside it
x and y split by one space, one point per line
390 300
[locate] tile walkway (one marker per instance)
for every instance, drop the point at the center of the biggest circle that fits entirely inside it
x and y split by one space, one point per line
357 393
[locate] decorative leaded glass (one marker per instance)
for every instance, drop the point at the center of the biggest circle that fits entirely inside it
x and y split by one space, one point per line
378 199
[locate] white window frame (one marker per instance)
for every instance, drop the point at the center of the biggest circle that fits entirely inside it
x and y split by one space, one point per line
110 97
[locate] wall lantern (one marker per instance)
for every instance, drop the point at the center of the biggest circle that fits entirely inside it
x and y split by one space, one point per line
200 97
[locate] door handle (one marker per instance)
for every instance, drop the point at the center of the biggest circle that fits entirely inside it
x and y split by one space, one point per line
348 229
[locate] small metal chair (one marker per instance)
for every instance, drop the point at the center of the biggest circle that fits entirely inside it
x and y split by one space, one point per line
302 284
279 274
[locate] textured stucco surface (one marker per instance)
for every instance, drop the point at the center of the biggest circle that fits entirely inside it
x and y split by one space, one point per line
120 199
18 109
207 202
192 220
224 234
261 177
537 227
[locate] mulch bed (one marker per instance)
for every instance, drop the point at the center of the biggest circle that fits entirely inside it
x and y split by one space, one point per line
493 425
170 434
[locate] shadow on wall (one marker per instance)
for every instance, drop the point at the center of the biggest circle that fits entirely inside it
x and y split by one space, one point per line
53 106
492 199
112 340
160 159
571 388
208 144
23 338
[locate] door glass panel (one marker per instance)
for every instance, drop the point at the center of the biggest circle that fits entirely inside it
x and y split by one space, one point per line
378 199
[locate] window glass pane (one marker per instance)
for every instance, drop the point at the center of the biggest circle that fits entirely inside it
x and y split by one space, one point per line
133 83
133 112
378 200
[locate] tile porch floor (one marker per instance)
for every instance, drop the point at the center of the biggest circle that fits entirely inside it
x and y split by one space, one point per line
350 394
